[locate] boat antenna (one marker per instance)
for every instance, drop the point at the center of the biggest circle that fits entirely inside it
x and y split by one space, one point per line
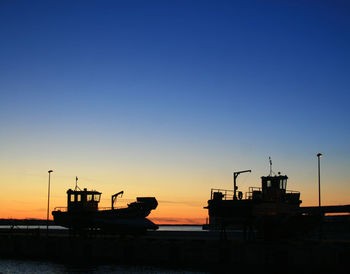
76 184
271 172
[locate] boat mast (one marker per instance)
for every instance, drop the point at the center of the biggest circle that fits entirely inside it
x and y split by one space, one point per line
76 184
271 172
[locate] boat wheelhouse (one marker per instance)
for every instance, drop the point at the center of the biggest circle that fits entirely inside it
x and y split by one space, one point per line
83 200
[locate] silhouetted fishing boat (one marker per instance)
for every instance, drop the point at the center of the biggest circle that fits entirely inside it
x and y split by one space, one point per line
270 209
82 213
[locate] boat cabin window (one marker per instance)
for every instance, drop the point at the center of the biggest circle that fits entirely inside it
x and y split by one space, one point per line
89 197
283 183
75 198
268 183
97 197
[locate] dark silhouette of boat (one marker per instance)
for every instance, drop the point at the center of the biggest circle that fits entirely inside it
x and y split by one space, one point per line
271 210
82 213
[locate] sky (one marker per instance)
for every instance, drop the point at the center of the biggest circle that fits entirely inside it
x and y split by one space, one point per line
168 98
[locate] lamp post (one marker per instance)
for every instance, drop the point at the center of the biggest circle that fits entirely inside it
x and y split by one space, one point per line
48 205
319 155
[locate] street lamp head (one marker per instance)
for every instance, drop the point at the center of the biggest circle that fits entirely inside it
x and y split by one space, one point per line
50 171
319 155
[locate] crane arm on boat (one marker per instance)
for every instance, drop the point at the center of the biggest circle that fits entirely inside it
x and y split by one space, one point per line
235 175
114 197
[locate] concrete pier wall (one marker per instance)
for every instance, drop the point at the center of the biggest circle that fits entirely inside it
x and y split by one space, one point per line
202 254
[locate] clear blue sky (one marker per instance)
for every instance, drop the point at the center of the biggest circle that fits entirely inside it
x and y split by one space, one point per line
185 87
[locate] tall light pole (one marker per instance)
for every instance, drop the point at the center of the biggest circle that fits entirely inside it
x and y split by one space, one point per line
48 205
319 155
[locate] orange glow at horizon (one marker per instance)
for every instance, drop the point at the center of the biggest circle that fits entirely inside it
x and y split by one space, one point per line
163 214
25 206
181 198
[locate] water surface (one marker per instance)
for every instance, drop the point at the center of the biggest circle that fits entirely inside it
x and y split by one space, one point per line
29 266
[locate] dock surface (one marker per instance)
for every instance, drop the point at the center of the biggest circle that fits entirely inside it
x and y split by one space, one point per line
209 251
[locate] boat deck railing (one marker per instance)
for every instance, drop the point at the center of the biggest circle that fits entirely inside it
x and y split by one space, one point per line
227 194
249 194
65 209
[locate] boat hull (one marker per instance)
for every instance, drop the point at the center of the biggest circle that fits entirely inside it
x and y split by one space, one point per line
108 220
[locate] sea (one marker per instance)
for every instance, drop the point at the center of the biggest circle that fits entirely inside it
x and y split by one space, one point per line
32 266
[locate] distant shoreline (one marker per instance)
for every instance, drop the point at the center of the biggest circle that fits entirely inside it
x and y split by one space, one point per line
44 222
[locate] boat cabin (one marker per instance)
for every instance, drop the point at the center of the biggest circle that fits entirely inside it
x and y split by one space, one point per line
274 188
278 183
83 200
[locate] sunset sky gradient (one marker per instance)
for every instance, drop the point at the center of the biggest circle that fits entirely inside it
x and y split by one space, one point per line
168 98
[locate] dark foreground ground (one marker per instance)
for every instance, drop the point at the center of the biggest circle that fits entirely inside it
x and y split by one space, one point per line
202 251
